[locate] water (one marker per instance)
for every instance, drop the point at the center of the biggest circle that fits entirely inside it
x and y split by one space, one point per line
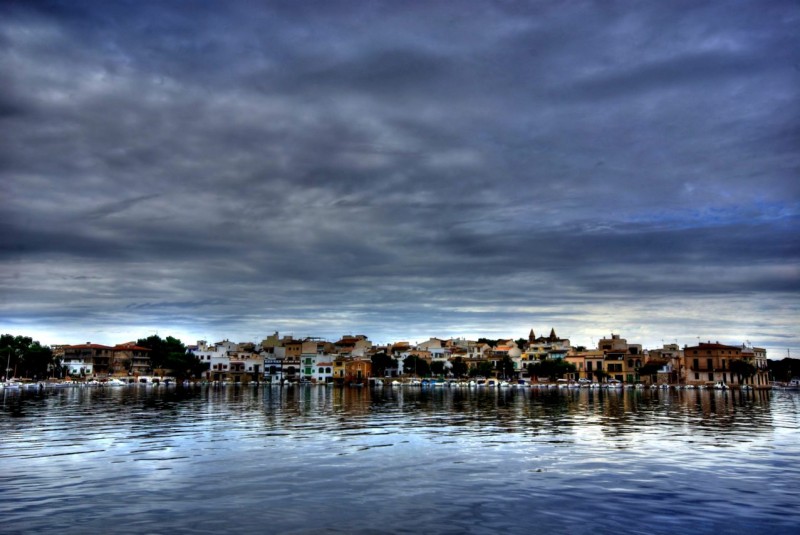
315 459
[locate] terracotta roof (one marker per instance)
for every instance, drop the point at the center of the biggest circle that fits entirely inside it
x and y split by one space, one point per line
716 345
88 346
131 347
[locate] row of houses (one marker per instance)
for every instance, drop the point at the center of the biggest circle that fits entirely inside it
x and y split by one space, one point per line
350 360
702 364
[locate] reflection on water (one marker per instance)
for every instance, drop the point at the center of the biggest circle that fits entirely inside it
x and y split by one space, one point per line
137 459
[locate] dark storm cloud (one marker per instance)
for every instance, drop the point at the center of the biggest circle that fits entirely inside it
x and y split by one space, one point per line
400 169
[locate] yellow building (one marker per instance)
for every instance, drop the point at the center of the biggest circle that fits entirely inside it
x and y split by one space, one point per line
586 363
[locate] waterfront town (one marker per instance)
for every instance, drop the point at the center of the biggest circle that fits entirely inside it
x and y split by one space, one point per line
355 360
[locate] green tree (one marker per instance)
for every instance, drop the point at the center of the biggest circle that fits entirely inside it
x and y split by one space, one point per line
26 357
784 369
743 370
380 363
163 353
415 365
551 368
505 367
483 369
600 375
460 368
170 355
650 370
437 367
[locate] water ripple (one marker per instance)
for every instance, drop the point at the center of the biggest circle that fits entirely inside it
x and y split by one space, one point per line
311 460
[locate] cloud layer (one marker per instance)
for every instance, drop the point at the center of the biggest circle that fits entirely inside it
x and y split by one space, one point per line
400 169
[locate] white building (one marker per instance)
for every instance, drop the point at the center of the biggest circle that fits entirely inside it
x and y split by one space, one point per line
323 372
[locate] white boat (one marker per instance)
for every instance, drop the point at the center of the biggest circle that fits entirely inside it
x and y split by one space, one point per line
116 382
719 385
12 384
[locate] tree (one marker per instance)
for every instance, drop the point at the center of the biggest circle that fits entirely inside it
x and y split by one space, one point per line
437 367
483 369
649 370
26 357
380 363
742 369
415 365
487 341
600 375
460 368
505 367
163 351
170 354
551 368
784 369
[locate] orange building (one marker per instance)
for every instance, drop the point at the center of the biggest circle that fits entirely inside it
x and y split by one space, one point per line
710 363
357 371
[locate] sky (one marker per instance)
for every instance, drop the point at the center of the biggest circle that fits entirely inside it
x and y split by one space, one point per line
225 170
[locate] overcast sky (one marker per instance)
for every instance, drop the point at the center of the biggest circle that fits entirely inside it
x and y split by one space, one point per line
401 169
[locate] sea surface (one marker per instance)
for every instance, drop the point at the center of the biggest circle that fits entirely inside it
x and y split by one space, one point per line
398 460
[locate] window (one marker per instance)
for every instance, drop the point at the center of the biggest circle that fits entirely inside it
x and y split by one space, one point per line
710 376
